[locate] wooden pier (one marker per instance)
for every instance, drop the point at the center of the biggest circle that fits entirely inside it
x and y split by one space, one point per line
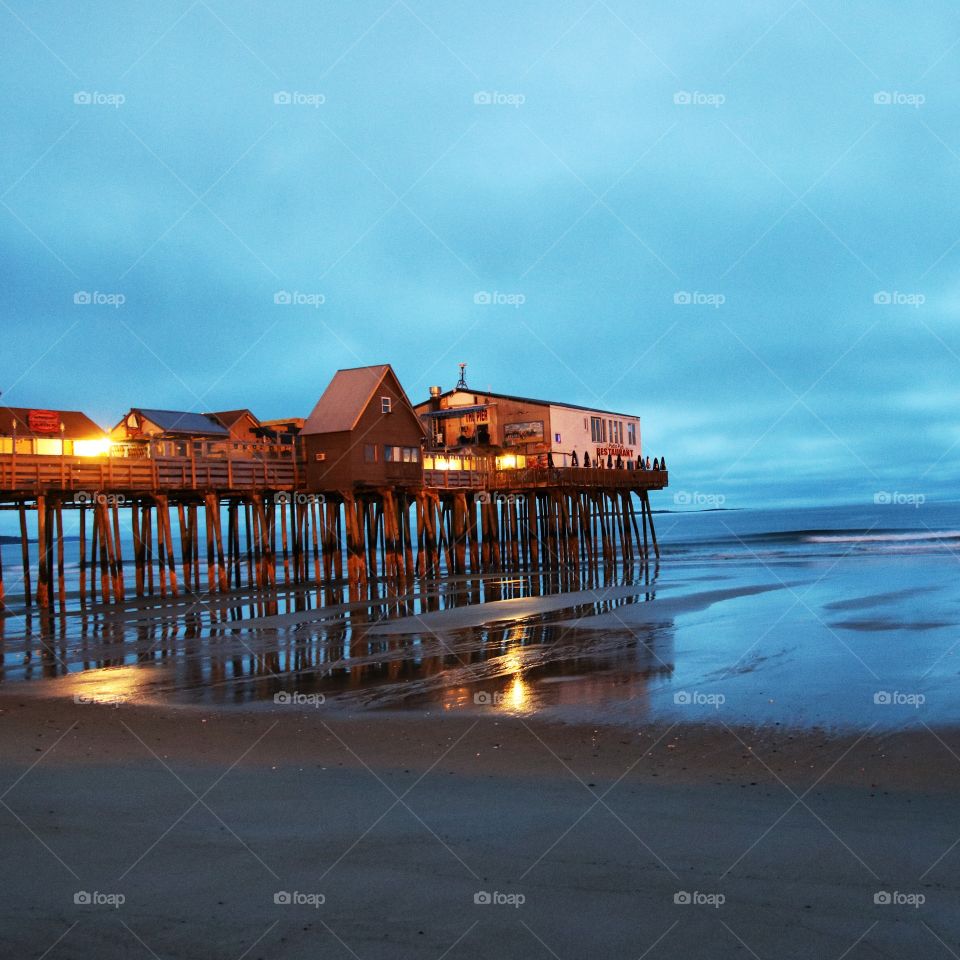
224 519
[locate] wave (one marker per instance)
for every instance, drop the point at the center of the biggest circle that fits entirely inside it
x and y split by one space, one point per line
887 536
786 544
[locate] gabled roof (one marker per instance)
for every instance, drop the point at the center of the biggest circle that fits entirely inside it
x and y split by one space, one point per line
180 421
347 396
229 418
77 426
510 396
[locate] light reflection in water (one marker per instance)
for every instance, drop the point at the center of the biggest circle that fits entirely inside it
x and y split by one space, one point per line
242 648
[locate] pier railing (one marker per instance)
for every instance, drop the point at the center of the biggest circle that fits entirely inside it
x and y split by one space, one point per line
251 467
32 474
531 478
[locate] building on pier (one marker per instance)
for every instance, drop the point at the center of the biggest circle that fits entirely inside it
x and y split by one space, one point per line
242 425
363 432
176 427
35 432
282 430
520 431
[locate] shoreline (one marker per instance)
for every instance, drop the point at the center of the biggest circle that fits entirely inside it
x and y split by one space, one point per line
60 732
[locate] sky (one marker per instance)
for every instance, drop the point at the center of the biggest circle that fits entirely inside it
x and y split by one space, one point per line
738 221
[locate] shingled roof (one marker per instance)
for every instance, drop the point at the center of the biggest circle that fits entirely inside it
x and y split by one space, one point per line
230 418
347 396
35 422
179 421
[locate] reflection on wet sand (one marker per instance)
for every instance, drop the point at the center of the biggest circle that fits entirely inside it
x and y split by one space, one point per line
248 647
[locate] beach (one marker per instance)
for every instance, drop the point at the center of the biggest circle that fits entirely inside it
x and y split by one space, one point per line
752 749
587 836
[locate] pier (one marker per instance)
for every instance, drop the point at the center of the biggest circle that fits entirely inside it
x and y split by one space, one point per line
241 521
360 491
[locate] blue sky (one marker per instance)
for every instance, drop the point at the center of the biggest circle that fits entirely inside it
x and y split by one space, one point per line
783 167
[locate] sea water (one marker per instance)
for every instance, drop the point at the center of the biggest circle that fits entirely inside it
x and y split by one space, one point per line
841 617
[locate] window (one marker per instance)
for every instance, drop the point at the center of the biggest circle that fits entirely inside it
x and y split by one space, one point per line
631 434
369 453
393 454
596 430
49 447
386 405
556 438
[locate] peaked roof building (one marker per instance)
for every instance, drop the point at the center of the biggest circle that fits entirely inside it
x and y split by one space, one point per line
146 422
347 397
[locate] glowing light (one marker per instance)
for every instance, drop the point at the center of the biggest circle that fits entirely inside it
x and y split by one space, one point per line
507 462
91 448
112 685
517 695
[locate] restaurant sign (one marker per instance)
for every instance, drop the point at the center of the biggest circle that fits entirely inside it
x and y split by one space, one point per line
43 421
614 451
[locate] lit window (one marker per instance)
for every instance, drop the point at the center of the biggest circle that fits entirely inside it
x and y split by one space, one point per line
386 405
49 447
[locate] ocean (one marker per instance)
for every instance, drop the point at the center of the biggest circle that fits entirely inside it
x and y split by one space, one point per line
838 618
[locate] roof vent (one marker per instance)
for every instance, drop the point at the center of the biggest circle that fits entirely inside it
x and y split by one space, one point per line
435 391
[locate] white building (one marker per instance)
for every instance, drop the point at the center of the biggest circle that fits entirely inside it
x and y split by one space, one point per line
463 419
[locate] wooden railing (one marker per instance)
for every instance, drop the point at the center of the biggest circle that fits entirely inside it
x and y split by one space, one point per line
23 474
26 475
535 477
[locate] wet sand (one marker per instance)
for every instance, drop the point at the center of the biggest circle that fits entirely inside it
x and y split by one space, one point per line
198 817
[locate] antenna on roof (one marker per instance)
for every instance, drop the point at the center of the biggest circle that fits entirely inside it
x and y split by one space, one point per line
462 382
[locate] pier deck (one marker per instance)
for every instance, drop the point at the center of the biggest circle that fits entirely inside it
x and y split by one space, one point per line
238 502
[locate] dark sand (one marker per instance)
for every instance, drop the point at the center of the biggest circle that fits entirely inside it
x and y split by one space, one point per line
199 817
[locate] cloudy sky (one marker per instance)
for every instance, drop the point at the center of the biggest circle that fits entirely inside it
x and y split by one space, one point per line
738 220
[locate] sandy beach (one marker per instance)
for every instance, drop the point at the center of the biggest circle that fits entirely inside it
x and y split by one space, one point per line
382 831
716 760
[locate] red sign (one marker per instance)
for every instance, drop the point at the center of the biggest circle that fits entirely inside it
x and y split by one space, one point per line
614 452
43 421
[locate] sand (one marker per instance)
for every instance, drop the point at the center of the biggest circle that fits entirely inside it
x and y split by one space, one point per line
583 837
